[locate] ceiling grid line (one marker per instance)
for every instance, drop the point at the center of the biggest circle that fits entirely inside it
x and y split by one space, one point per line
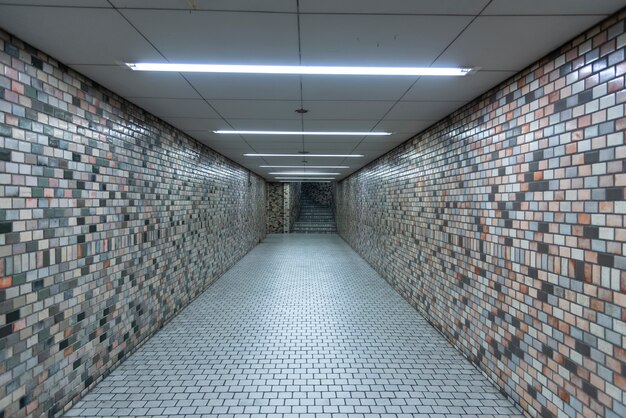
96 38
431 64
57 6
300 80
182 76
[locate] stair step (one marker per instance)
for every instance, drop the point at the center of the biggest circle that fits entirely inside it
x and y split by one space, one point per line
313 229
315 219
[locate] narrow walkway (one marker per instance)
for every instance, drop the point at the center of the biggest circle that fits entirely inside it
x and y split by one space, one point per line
301 326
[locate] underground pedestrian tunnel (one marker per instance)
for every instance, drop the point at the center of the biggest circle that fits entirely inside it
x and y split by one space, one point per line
312 208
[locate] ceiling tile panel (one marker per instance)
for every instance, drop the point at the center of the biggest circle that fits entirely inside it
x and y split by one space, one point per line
235 151
78 35
330 148
454 7
240 5
556 7
196 125
410 126
346 109
423 110
246 86
225 140
139 84
63 3
257 109
93 38
176 107
220 37
511 43
275 139
266 124
391 139
379 140
354 88
333 139
278 147
340 125
456 88
380 40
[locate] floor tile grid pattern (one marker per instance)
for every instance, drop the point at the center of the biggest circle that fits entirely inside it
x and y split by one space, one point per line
301 326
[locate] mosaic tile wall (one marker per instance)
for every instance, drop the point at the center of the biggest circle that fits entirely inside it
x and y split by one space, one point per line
283 206
505 226
292 204
275 208
111 221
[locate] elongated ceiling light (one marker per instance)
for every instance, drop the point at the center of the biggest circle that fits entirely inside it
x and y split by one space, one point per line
304 178
306 155
303 166
298 69
303 173
302 133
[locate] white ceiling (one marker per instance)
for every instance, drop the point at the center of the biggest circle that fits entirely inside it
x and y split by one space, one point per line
499 36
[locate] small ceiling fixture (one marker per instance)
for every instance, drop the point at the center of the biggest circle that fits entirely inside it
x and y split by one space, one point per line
302 110
344 133
298 69
308 155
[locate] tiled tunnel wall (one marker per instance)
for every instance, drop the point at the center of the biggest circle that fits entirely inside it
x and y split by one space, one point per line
320 193
292 204
283 206
275 208
504 224
111 221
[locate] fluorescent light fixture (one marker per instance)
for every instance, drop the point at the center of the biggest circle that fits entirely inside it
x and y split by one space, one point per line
306 155
304 166
227 132
298 69
304 181
303 173
305 178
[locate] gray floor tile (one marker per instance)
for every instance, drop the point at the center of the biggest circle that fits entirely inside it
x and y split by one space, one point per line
301 326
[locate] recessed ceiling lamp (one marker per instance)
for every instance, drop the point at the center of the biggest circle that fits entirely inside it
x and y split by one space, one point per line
298 69
308 155
303 166
303 173
301 133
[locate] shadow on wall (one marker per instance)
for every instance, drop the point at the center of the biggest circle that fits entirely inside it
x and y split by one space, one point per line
320 193
293 204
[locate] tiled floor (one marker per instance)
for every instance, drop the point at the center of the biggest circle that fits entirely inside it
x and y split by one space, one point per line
302 326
